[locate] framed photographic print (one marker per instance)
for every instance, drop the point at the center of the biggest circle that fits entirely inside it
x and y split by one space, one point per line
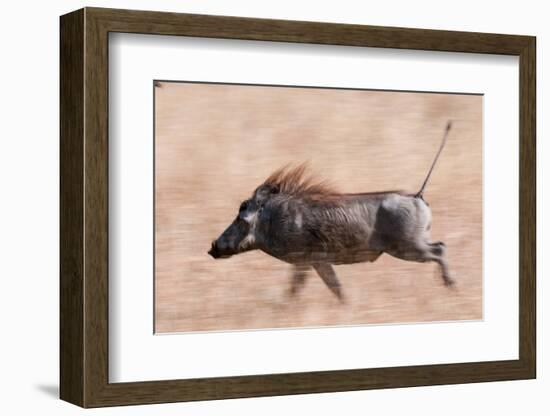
255 207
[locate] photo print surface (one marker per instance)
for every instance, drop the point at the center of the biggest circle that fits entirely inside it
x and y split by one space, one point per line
291 207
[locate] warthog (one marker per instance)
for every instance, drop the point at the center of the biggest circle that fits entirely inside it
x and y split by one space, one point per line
306 223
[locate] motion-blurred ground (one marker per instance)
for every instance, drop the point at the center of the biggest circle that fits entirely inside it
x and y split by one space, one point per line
215 143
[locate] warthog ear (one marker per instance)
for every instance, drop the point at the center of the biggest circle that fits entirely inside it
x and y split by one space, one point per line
264 192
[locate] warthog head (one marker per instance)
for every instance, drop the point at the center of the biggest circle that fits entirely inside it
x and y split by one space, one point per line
241 235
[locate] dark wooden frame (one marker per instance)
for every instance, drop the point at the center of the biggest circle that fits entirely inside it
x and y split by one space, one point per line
84 207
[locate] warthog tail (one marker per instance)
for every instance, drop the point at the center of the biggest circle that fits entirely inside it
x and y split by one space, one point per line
447 129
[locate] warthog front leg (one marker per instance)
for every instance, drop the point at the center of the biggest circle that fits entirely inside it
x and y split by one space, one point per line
298 279
327 273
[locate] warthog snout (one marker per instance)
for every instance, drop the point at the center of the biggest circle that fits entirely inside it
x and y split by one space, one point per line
229 243
214 250
237 238
220 249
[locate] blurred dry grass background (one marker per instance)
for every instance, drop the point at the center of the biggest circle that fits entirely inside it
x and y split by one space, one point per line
216 143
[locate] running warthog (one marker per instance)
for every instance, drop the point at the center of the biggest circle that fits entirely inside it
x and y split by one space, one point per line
309 225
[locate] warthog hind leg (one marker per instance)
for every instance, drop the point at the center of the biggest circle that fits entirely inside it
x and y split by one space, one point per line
439 251
327 273
423 252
